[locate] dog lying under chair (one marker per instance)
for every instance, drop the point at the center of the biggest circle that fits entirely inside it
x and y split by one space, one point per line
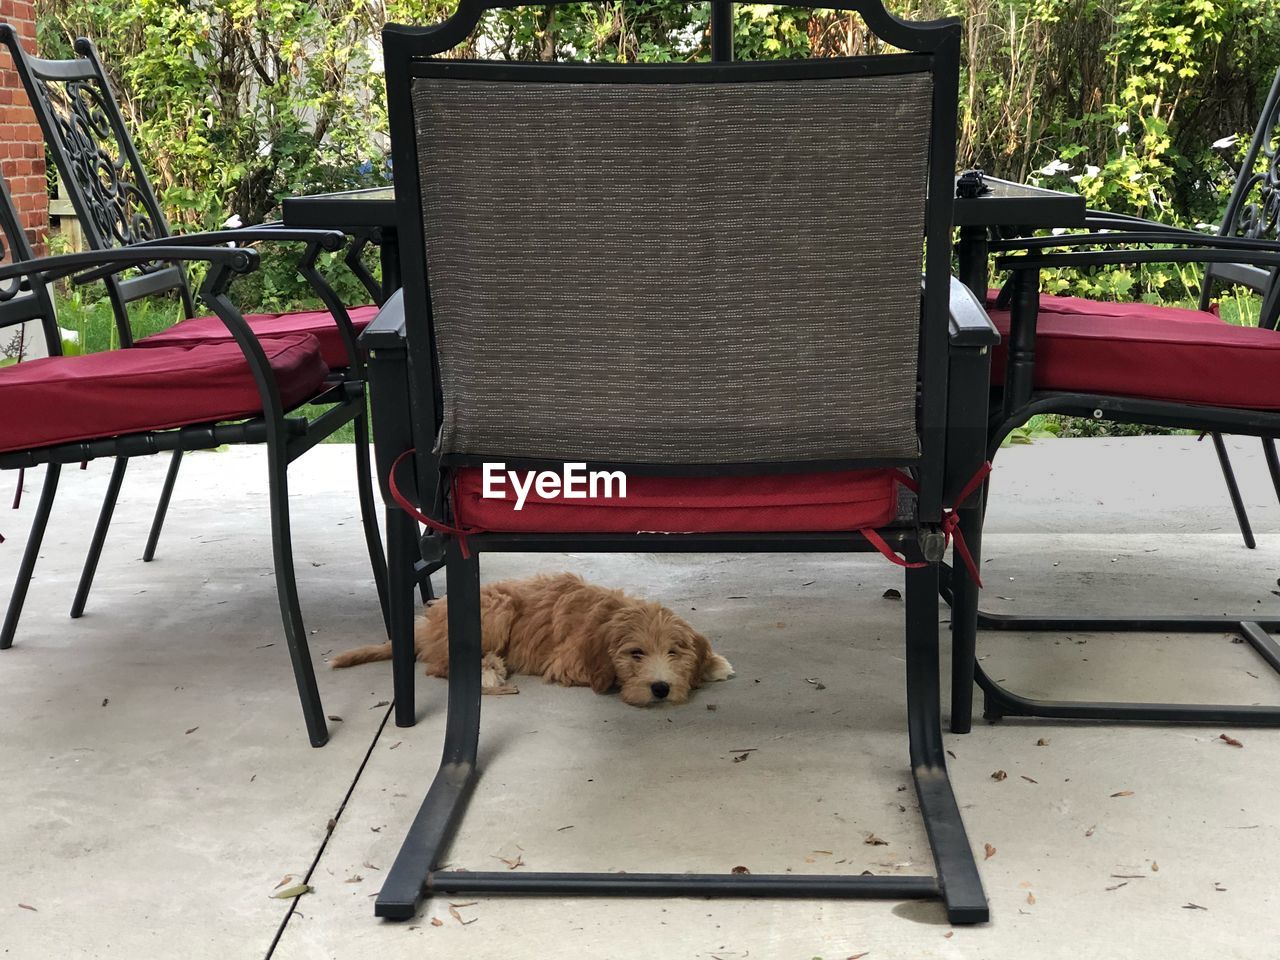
574 633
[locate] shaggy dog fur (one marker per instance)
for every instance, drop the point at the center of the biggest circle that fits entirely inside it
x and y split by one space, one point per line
573 633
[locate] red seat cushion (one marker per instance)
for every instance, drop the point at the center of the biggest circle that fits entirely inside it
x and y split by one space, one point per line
63 399
1152 352
810 502
318 323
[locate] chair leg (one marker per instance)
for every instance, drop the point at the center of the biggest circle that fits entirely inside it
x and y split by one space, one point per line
1233 490
29 555
442 807
287 590
402 553
964 621
369 517
958 878
1273 462
162 507
99 537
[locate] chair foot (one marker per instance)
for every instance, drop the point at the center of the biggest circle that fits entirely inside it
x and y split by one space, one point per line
30 554
402 533
162 507
441 809
99 537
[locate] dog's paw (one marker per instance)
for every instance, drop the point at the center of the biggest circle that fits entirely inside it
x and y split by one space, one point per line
717 668
493 673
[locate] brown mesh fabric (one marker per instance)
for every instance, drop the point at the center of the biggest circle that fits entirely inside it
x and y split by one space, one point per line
676 273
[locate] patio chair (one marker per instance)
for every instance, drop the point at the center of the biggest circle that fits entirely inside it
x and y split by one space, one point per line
1136 363
187 396
1248 216
99 166
709 272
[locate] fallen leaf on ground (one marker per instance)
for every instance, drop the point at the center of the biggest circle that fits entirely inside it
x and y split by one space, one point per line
105 701
469 903
369 866
396 744
739 869
1123 793
193 730
1128 876
711 707
1219 888
283 880
1042 742
825 853
437 922
892 594
518 861
990 851
335 718
1155 867
1031 898
27 906
857 956
1089 832
506 690
873 841
742 756
999 775
808 583
453 912
380 703
561 829
356 878
1230 741
949 934
1193 906
1028 779
289 892
328 827
1123 883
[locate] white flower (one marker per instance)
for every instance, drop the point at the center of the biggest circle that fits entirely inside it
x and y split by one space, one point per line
1077 178
69 336
1057 166
1058 231
233 222
1122 128
1225 142
1091 171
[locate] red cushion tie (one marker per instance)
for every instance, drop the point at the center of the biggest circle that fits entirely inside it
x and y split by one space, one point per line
402 501
950 527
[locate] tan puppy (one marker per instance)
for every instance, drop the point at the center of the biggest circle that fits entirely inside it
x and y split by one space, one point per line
573 633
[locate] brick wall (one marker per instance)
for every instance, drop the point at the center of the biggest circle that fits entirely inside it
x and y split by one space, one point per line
21 147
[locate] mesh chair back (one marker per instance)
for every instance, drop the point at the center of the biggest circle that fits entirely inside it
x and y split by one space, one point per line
682 271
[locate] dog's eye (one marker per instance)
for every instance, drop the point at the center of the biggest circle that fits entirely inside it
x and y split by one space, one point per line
637 654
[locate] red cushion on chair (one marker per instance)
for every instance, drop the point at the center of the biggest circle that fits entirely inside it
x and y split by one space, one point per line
1156 353
809 502
1079 306
63 399
318 323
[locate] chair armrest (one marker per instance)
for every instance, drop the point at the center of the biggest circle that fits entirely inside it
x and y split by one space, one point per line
386 330
1099 258
327 239
1144 234
970 325
237 259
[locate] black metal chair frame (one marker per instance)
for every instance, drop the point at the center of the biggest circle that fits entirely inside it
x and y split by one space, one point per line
117 207
406 414
1240 260
24 297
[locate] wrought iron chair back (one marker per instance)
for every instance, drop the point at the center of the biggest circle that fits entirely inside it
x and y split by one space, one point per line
1253 212
99 166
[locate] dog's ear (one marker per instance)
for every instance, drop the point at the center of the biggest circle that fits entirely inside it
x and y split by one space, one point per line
600 671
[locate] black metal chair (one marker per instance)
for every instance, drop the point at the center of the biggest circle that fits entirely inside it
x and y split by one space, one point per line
1132 363
74 409
99 166
707 271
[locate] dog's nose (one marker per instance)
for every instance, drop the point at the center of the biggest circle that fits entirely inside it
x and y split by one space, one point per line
660 689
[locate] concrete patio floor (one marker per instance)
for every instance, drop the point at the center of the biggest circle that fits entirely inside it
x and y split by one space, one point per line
158 785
